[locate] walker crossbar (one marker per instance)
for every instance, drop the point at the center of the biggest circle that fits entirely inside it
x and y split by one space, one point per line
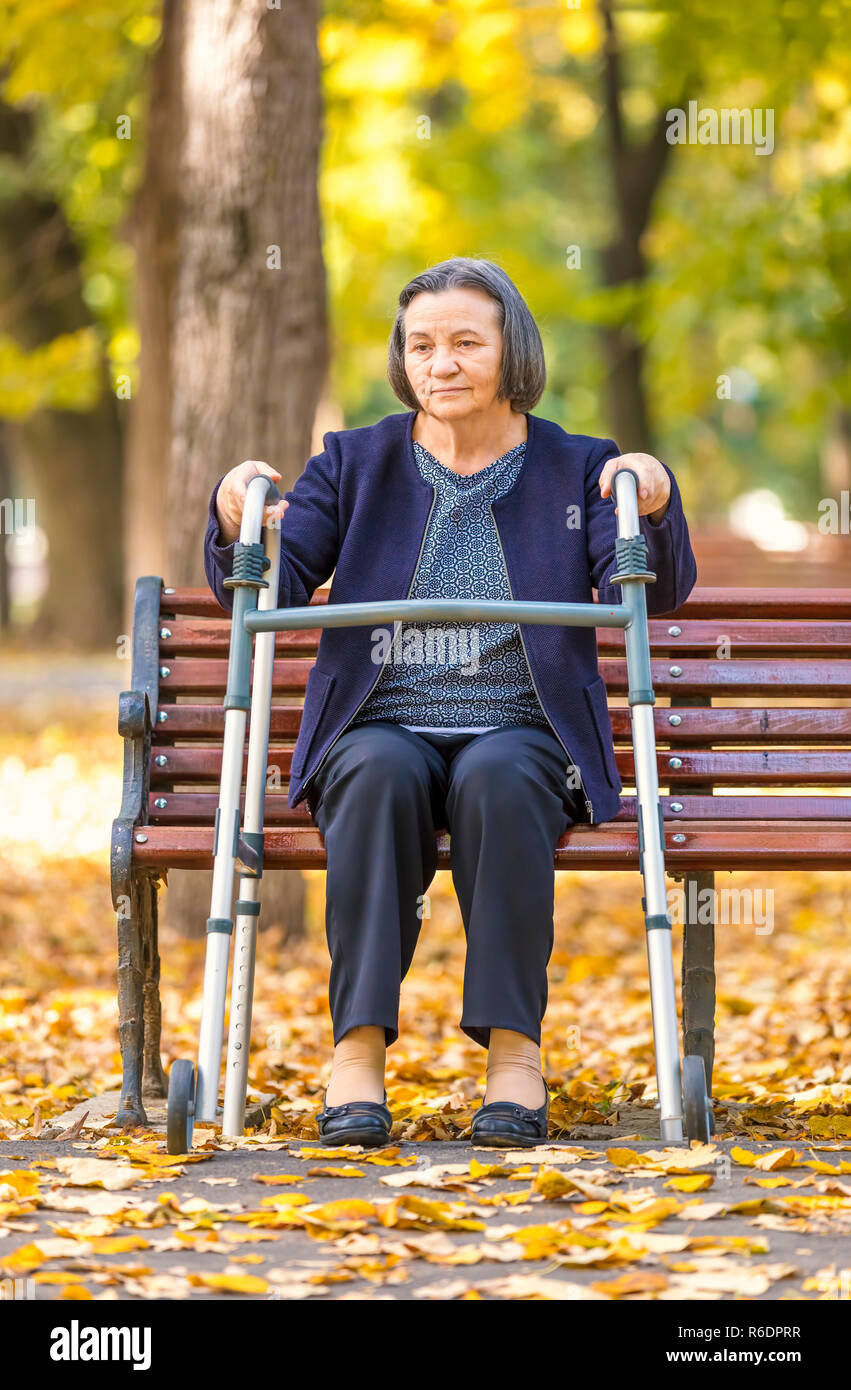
240 848
438 610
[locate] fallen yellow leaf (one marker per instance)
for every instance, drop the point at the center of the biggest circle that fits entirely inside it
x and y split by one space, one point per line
118 1245
628 1158
690 1182
346 1209
331 1172
777 1158
94 1172
230 1283
627 1284
20 1181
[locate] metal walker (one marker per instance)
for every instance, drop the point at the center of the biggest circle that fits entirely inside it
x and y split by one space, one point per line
238 847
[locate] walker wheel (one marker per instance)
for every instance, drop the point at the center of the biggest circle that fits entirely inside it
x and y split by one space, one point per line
181 1108
696 1103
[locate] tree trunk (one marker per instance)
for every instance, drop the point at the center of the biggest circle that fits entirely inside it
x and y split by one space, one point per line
152 226
5 491
69 462
623 354
836 453
74 462
247 330
249 343
636 172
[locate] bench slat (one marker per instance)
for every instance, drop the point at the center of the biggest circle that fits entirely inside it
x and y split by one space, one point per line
191 721
736 767
743 676
762 725
208 676
784 603
829 767
746 637
201 603
199 808
211 637
709 602
610 846
739 675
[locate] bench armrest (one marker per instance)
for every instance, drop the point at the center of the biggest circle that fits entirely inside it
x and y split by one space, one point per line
134 725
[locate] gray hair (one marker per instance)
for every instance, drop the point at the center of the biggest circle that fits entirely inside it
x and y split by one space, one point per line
523 372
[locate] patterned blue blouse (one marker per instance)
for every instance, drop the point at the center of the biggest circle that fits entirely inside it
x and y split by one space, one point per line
441 676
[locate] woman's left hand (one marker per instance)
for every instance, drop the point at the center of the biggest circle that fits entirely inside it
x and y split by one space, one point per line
654 487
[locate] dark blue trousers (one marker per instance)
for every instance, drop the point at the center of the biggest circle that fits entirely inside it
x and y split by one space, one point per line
379 800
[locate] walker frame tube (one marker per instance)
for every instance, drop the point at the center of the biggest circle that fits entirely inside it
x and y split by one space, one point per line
247 907
264 620
226 843
651 832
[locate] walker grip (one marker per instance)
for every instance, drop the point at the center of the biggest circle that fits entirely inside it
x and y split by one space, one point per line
626 469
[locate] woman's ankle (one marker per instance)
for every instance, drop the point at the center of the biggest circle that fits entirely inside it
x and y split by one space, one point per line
357 1069
514 1070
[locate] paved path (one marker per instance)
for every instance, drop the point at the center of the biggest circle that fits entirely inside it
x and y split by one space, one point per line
789 1247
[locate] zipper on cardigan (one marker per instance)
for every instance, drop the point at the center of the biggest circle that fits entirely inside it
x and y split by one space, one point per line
588 804
384 662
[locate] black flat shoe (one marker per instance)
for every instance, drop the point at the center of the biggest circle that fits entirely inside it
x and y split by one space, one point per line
504 1125
357 1122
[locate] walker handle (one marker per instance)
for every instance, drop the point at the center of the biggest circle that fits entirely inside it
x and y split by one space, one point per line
617 474
626 497
254 506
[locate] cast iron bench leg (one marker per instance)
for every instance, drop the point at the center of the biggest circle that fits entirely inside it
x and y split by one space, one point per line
131 1016
698 977
698 973
154 1079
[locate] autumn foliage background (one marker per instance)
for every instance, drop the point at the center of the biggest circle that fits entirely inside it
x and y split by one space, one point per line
783 1060
519 131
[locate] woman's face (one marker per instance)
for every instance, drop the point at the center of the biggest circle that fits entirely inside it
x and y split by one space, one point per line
453 350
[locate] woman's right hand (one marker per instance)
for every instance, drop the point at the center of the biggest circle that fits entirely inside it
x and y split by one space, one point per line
230 498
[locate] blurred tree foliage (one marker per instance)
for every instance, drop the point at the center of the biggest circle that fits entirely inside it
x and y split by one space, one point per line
481 127
70 147
80 71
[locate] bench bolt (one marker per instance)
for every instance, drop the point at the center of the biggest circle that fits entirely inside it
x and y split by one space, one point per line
676 805
141 839
674 631
160 803
672 762
675 670
165 671
675 719
678 839
161 760
161 716
165 632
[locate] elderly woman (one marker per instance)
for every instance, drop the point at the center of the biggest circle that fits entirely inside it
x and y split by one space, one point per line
498 733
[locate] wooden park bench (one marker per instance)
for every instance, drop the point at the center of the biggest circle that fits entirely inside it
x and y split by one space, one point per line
752 692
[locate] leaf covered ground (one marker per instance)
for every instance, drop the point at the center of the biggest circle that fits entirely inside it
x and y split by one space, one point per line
639 1220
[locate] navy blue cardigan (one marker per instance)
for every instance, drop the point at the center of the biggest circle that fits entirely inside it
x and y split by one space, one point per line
360 511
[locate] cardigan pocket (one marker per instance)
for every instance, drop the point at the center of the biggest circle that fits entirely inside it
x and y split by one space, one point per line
316 694
595 694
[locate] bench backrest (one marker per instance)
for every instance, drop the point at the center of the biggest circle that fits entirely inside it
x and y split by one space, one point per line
753 712
761 683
